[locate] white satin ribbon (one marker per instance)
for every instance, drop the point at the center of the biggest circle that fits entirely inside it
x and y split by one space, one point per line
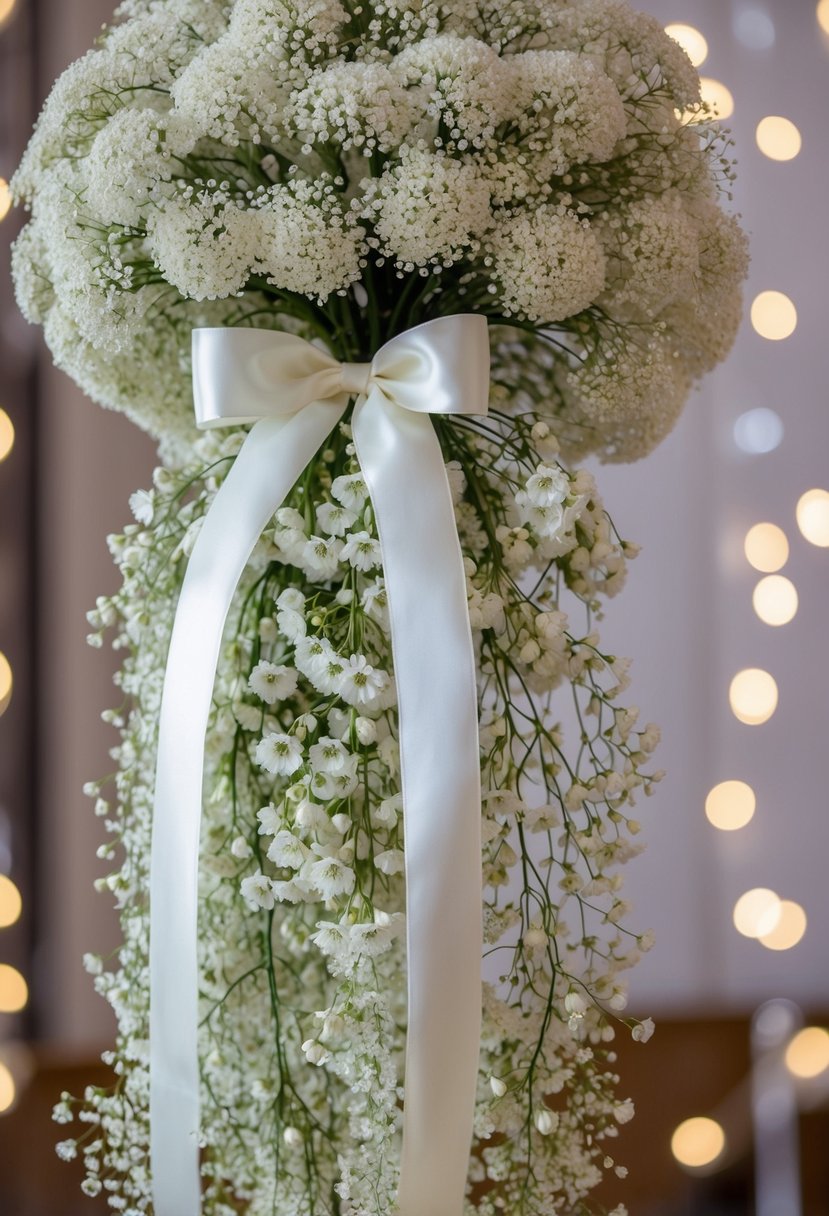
296 393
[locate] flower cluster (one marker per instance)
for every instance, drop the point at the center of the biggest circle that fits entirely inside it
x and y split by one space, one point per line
345 170
303 1000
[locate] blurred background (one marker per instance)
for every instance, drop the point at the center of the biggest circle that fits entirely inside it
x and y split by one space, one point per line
724 615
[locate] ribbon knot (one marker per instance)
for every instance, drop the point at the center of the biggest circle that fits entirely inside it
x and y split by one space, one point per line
356 377
296 394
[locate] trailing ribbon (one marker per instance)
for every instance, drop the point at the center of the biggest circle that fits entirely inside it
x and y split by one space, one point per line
296 393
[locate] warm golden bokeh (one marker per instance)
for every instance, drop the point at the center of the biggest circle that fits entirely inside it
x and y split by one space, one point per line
813 517
775 600
753 696
773 315
807 1055
778 138
730 805
693 42
789 930
766 548
757 913
11 904
698 1142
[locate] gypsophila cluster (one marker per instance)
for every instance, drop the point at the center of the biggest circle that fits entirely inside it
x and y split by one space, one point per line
344 170
302 919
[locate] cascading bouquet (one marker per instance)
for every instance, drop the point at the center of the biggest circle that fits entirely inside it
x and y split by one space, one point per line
342 171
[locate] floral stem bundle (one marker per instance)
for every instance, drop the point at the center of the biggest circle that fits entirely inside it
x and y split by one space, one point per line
343 172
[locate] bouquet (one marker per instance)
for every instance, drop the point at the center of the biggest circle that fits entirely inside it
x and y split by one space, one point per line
342 171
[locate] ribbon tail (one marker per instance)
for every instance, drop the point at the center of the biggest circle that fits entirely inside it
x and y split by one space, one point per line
272 458
434 665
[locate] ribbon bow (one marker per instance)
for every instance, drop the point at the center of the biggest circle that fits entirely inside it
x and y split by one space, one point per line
295 394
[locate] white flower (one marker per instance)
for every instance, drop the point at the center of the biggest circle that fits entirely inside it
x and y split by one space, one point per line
320 557
272 682
497 1086
548 484
331 877
329 756
142 506
361 683
315 1053
623 1112
269 820
240 848
390 862
350 491
643 1031
361 551
287 850
334 518
257 890
279 754
546 1121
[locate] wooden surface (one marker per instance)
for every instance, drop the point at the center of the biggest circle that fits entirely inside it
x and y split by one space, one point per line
688 1068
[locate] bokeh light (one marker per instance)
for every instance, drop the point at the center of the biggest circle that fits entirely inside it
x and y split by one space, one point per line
730 805
823 15
807 1054
716 95
6 682
754 29
693 43
5 192
8 1089
766 548
14 991
778 138
775 600
698 1142
790 928
773 315
753 696
758 431
813 517
11 904
6 435
758 912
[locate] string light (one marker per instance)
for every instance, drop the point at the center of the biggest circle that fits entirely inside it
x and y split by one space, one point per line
807 1055
813 517
775 600
698 1142
778 138
11 904
6 435
766 548
790 928
693 43
14 991
716 95
753 696
730 805
757 913
773 315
